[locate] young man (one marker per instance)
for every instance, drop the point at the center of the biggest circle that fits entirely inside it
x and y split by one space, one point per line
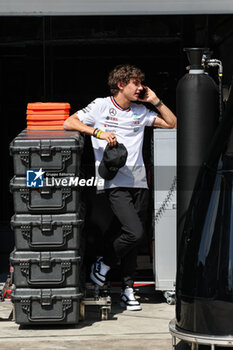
118 119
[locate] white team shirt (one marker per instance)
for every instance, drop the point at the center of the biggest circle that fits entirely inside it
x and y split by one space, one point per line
128 126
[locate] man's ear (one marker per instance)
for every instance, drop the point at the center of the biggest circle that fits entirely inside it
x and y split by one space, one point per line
120 85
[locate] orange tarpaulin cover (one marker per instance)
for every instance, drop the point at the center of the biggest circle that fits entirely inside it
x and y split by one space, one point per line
48 105
47 122
48 111
46 117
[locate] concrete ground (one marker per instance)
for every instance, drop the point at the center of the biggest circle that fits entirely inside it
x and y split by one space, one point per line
146 329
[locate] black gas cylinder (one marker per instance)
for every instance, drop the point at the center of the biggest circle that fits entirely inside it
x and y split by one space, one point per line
204 286
197 114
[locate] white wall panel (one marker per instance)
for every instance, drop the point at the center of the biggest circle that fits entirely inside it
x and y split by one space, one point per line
111 7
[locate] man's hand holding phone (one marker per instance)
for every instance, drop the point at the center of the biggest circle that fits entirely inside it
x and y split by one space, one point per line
148 95
142 93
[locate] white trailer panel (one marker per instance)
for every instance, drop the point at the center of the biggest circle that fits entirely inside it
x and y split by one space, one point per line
165 224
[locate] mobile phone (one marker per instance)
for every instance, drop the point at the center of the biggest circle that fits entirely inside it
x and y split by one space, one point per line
142 93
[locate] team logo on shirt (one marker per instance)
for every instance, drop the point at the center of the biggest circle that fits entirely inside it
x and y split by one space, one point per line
136 116
112 118
136 122
111 125
111 122
112 112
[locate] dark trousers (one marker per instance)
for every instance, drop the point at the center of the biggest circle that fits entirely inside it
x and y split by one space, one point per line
130 207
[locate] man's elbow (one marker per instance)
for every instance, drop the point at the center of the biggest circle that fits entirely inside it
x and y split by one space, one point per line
170 125
174 124
68 124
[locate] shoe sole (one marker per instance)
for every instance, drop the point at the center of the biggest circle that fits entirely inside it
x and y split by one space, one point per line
131 308
95 280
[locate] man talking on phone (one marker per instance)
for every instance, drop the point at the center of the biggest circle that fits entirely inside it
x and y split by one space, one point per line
116 124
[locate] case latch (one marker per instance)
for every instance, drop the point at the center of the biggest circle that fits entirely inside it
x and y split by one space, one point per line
45 260
46 224
46 297
45 148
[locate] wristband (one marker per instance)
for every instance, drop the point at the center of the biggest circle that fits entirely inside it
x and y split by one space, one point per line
99 133
95 132
158 104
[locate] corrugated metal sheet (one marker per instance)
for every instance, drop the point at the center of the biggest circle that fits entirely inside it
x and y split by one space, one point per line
114 7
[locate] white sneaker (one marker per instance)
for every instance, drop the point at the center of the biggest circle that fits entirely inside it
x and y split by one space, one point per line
128 300
99 271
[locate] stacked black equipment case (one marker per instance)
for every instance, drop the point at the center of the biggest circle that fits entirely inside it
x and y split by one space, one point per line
47 226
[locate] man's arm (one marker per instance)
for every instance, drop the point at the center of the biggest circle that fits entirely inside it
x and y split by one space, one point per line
166 119
73 123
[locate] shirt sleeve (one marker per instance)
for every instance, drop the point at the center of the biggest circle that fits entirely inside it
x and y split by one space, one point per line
88 114
149 117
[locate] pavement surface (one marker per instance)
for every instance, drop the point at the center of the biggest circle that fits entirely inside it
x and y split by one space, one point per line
125 330
146 329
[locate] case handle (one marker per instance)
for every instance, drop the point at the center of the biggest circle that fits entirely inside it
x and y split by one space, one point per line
65 267
65 155
46 152
66 192
66 230
66 304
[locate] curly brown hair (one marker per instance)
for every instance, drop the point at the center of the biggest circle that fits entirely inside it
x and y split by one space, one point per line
123 73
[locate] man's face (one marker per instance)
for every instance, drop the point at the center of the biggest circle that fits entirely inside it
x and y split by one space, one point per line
132 90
